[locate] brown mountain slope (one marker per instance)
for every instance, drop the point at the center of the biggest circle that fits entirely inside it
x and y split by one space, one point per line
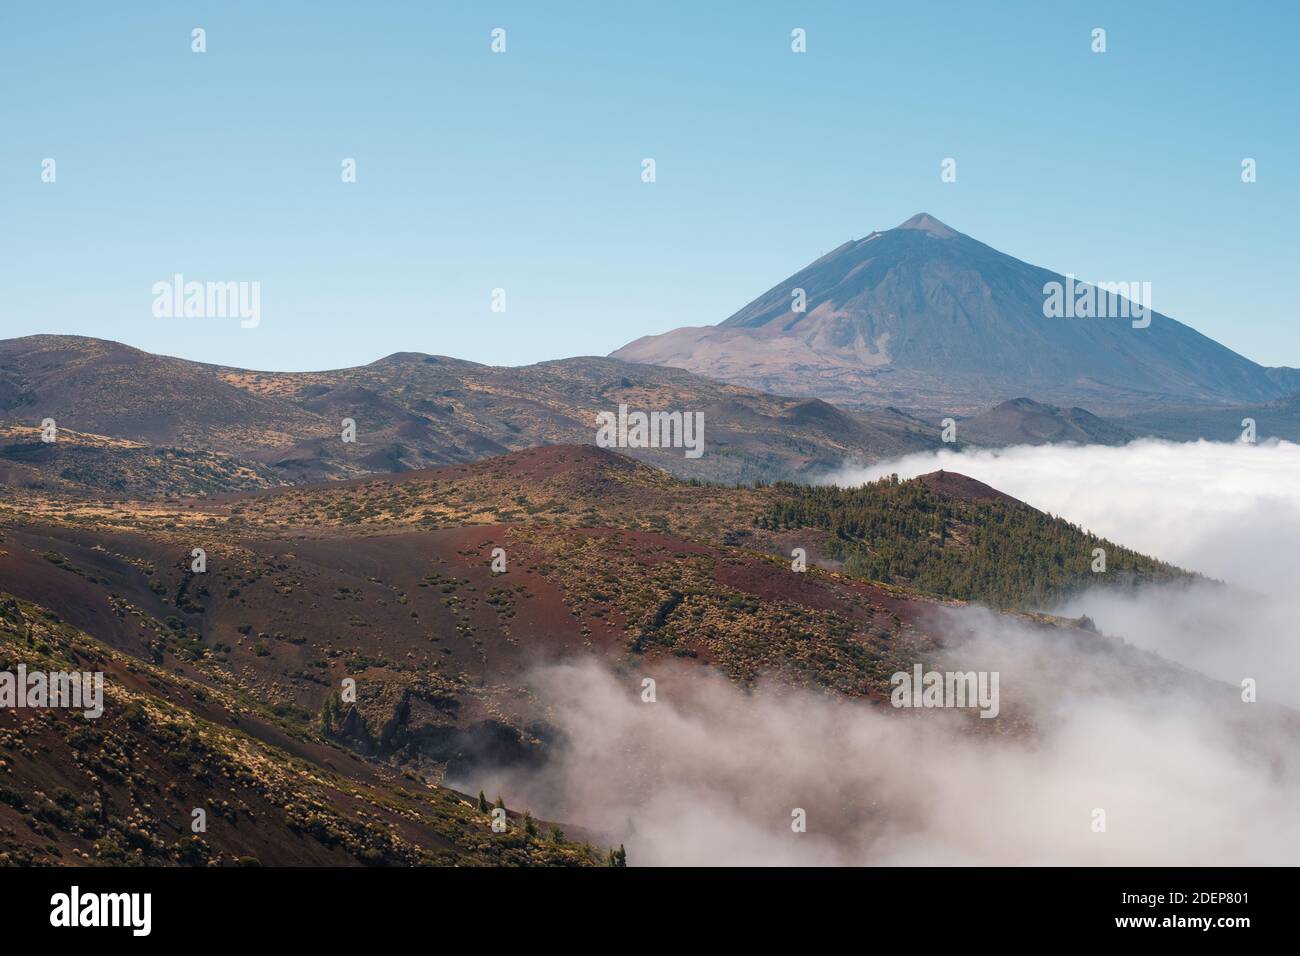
950 484
1278 419
1023 421
159 424
123 788
236 676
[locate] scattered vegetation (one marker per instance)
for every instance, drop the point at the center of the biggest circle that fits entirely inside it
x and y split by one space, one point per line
997 550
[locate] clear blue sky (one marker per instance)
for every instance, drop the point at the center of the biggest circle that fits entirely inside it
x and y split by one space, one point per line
522 170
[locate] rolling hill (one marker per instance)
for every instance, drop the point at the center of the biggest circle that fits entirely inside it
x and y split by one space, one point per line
1023 421
133 423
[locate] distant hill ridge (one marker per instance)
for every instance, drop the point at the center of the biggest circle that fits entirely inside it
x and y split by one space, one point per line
164 424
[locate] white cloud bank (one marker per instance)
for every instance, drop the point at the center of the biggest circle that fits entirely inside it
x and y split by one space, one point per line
1230 511
709 775
1185 771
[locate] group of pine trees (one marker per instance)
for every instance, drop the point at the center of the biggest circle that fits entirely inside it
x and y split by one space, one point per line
615 858
1002 552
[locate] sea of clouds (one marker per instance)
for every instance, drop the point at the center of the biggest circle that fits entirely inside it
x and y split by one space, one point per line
1230 511
1186 772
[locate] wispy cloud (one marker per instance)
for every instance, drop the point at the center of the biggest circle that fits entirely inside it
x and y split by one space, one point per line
710 774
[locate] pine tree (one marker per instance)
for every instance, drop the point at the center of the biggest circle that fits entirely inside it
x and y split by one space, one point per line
329 713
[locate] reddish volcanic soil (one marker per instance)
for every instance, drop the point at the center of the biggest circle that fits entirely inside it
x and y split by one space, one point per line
954 485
